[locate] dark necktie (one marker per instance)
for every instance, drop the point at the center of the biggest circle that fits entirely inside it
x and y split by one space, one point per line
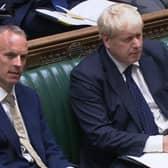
62 3
144 112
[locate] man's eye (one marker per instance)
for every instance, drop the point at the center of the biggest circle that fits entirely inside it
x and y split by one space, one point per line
128 39
10 55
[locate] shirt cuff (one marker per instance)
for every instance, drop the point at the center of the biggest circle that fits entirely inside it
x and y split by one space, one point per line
154 144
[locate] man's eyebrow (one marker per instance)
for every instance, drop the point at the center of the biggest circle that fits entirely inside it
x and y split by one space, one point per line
10 53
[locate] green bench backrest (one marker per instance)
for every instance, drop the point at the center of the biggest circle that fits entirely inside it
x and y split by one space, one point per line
52 84
165 40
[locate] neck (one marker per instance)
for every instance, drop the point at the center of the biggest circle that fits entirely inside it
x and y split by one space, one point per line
8 88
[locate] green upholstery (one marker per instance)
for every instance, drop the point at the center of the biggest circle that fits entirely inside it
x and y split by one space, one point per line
52 84
165 40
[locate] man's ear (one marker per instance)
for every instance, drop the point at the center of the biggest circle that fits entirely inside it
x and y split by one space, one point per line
106 40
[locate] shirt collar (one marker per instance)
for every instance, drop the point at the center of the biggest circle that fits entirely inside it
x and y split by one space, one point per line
121 66
4 93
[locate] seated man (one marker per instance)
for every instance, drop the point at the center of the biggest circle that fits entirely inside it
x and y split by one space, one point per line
25 139
119 93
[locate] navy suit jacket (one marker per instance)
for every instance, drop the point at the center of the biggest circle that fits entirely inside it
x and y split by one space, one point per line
105 110
147 6
38 131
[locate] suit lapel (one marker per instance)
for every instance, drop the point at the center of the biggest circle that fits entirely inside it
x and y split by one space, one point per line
27 110
150 73
116 81
8 129
157 86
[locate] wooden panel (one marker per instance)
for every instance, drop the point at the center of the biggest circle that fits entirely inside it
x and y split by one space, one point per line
81 42
156 24
62 46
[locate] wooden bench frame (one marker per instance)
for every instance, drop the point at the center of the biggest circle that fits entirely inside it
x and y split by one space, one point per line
78 43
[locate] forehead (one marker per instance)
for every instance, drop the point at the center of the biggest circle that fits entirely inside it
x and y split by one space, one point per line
129 31
11 41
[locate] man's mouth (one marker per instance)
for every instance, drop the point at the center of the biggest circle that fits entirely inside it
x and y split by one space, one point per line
14 73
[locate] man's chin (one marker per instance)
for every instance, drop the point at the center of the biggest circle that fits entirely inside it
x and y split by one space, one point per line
12 82
135 58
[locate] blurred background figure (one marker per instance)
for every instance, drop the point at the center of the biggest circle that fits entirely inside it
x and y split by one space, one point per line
145 6
23 14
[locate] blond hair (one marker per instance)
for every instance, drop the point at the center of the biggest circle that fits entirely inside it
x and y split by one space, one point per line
115 17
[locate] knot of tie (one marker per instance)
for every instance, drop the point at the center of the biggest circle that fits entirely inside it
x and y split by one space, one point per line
10 99
128 72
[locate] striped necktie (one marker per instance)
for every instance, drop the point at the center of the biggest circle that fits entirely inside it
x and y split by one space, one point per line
20 129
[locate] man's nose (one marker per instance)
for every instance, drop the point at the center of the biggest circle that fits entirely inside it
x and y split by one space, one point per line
17 60
137 42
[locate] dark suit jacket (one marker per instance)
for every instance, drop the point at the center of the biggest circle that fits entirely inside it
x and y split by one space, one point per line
145 6
33 24
104 107
38 131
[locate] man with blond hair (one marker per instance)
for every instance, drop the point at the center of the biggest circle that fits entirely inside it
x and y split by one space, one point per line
119 93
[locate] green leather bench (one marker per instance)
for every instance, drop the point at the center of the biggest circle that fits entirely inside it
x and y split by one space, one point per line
165 40
52 84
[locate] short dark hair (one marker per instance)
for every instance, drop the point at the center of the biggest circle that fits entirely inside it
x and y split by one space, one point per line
12 28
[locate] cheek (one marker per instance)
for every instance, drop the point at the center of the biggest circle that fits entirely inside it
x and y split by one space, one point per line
23 63
123 51
3 72
3 66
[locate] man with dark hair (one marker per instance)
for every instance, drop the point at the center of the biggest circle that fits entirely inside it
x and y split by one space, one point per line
25 139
